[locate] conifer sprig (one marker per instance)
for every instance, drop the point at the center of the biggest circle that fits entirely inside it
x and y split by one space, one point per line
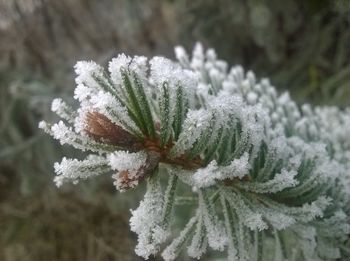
263 171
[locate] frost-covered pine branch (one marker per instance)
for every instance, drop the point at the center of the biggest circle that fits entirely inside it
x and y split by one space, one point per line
269 178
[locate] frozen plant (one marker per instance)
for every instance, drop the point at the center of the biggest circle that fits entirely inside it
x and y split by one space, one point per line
269 179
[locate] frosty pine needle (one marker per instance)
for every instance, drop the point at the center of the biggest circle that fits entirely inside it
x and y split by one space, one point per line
269 178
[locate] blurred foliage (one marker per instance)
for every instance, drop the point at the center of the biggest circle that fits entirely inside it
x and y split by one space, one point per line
63 228
303 46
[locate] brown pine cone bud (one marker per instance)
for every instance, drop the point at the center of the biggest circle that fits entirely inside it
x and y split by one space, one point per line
102 129
127 179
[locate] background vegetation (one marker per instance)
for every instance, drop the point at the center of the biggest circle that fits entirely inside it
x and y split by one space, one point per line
303 46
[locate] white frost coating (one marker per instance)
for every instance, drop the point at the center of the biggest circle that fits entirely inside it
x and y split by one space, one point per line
185 176
115 65
252 98
165 70
211 54
237 168
202 92
71 170
121 185
221 65
281 181
216 234
86 72
66 135
137 64
57 105
329 230
328 250
329 169
313 141
194 126
206 176
276 219
228 107
123 160
209 175
251 78
307 240
231 233
109 106
307 212
199 242
62 133
247 216
83 92
197 61
63 110
294 162
80 120
182 56
171 252
129 167
146 221
253 221
224 108
44 126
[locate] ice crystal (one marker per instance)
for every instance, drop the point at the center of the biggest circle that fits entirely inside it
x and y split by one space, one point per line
72 169
146 221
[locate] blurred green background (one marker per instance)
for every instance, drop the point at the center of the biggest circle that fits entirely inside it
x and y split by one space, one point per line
302 46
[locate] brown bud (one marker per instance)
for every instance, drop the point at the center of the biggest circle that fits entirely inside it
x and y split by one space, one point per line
127 179
102 129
